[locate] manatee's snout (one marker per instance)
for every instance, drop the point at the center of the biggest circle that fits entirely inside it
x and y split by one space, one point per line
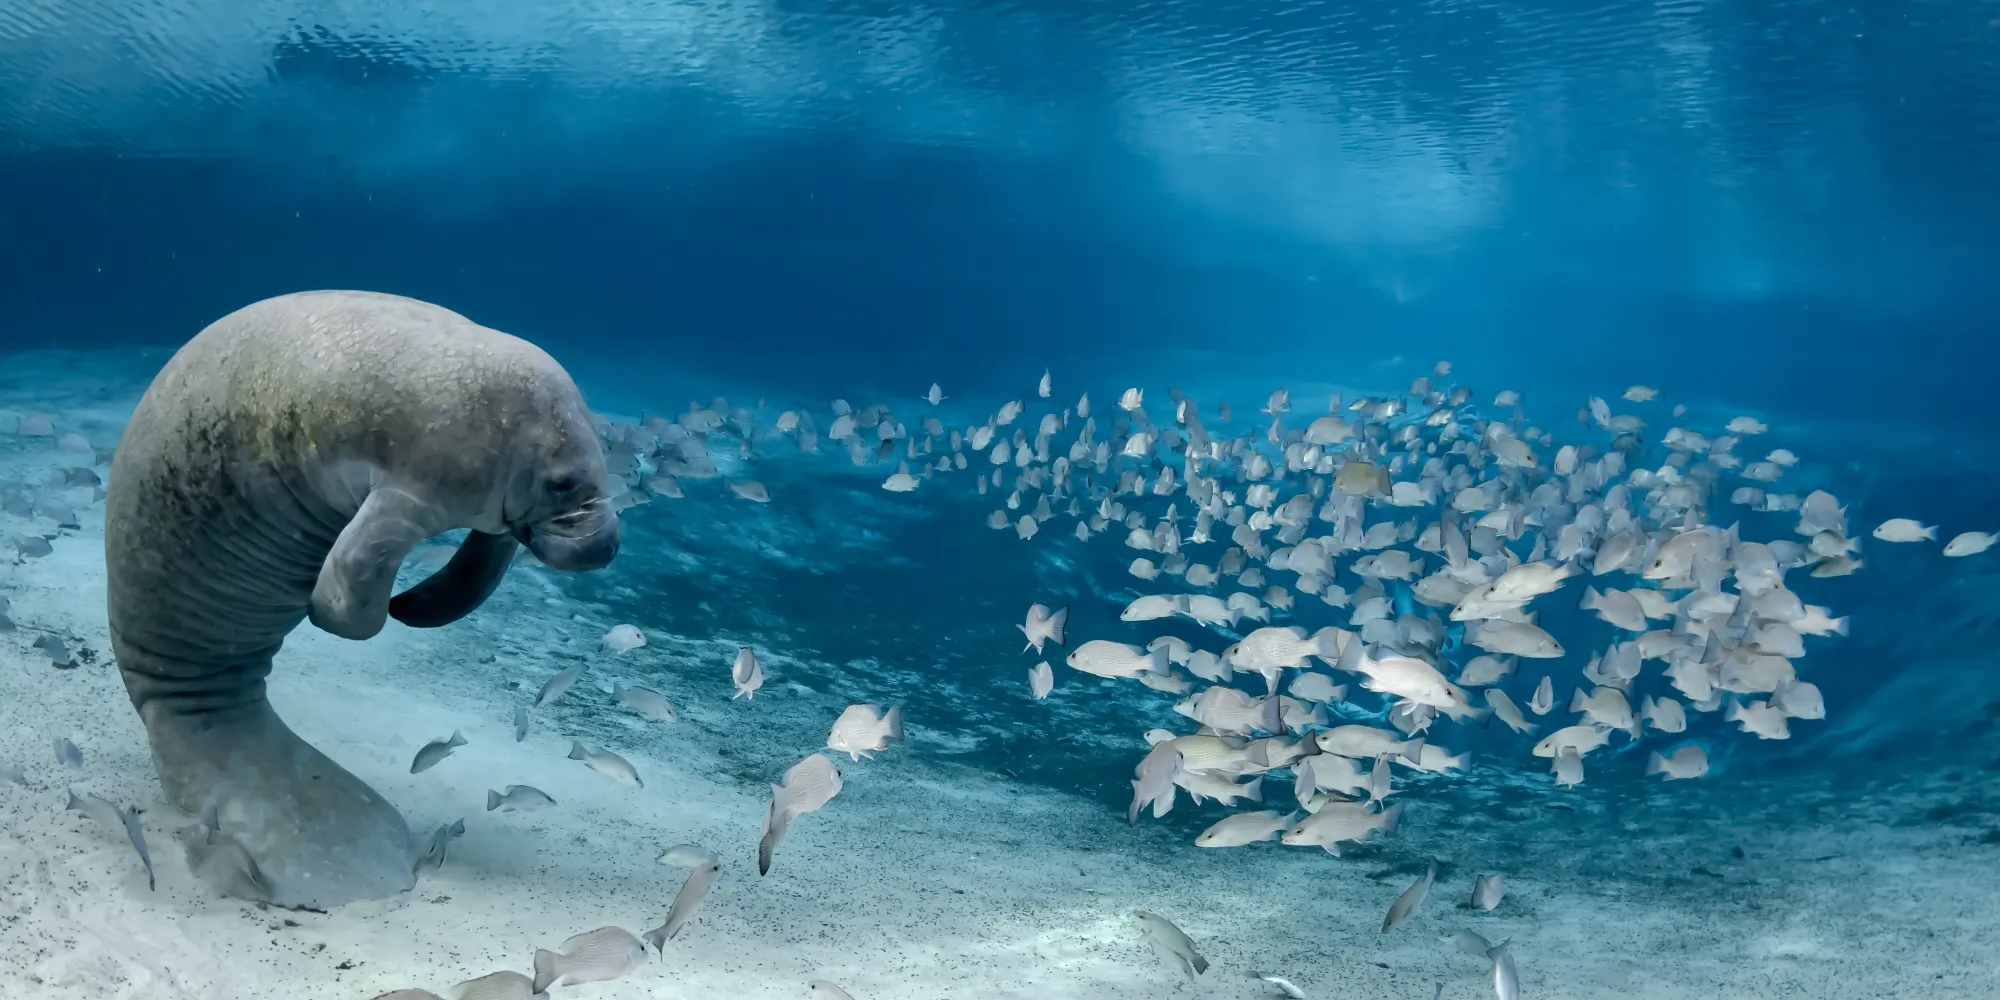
583 539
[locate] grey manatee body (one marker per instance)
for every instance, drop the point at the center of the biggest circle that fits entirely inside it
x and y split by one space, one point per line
279 469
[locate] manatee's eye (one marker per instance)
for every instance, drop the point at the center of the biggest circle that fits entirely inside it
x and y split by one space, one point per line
563 486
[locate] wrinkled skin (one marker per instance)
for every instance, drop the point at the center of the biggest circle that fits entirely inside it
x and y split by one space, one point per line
279 469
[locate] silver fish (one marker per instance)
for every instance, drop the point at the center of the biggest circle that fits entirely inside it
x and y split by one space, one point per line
67 752
130 817
1411 898
1173 946
1285 986
1486 891
1506 978
498 986
646 702
861 730
808 785
441 845
555 686
747 674
689 899
435 751
591 957
687 856
520 724
606 763
1470 942
518 798
113 818
822 988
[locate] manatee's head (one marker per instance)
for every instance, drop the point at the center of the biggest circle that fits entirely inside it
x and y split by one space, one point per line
558 504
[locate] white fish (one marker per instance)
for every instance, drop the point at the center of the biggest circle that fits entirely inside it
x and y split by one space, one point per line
900 481
1488 669
1470 942
623 638
435 751
1544 699
688 856
1506 711
1605 706
1582 739
1745 426
504 985
1367 743
1902 529
1664 714
1043 625
1280 647
1519 638
935 395
67 753
1486 891
1173 946
1970 543
1341 822
1687 762
1153 607
606 763
1153 781
1243 828
520 724
1616 607
1758 718
1640 393
555 686
1041 680
1285 986
1104 658
808 785
821 987
518 798
1412 897
747 674
693 890
862 730
1027 527
1042 387
1506 979
647 702
1130 399
1568 768
115 819
751 490
1799 700
591 957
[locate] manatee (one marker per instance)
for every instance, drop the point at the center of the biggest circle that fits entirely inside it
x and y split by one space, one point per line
278 470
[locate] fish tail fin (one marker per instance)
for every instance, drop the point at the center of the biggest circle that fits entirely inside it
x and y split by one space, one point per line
1273 721
1058 624
492 800
1327 643
1413 751
576 751
657 938
1391 817
1840 626
1132 812
457 739
894 720
774 831
1592 600
1930 533
548 969
1732 711
1655 763
1254 791
1577 700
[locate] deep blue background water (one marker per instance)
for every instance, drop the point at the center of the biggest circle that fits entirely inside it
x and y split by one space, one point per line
1786 208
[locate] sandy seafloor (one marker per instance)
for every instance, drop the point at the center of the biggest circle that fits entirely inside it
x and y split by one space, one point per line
926 878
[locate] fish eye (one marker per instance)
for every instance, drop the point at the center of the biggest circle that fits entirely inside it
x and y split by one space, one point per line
564 485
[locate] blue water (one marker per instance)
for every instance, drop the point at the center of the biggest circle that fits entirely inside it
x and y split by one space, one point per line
1780 209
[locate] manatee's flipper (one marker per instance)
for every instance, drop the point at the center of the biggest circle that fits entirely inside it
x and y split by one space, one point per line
463 584
351 597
